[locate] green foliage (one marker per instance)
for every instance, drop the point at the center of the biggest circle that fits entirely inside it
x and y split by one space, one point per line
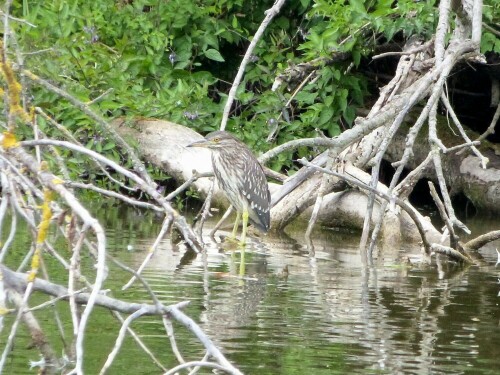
491 15
175 59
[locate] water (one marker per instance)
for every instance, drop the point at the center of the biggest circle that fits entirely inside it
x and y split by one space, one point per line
329 314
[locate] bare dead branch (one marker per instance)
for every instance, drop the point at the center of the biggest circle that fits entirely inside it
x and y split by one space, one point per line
179 220
18 282
451 253
480 241
363 186
444 215
493 124
270 14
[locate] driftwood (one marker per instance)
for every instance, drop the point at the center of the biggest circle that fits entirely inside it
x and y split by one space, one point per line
162 143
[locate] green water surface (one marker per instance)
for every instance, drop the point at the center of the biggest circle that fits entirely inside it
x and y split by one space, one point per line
330 314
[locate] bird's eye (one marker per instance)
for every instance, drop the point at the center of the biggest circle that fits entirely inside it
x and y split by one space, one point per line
216 140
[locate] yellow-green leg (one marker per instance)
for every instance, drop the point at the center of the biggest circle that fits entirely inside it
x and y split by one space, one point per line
236 224
242 262
243 241
244 229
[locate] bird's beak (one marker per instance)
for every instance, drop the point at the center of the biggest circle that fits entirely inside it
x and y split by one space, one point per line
202 143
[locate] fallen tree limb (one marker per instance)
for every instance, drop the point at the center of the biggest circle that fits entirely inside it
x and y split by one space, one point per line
18 281
480 241
404 205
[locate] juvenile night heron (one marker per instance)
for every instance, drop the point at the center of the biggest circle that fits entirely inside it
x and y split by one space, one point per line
242 179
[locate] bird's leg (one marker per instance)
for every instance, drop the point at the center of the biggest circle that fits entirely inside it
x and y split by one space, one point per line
243 241
242 262
236 224
244 229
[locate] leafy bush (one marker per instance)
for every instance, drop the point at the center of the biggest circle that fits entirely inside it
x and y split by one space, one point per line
176 59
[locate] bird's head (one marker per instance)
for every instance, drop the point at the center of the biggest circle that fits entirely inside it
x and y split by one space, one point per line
216 141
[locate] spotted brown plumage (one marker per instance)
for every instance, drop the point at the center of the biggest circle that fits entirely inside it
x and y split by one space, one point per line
241 177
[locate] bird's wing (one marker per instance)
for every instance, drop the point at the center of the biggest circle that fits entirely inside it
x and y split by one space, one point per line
257 193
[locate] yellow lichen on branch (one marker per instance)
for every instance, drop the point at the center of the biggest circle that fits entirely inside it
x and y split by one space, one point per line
14 90
43 229
46 216
9 140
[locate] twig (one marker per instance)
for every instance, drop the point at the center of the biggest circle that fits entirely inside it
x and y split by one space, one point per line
194 177
169 328
297 179
20 20
456 121
319 199
441 30
53 301
38 336
179 221
270 13
70 137
477 20
186 365
7 200
144 283
197 368
405 187
113 194
95 100
209 345
221 221
205 211
444 216
10 340
493 124
412 51
140 342
436 159
120 338
164 229
491 29
7 31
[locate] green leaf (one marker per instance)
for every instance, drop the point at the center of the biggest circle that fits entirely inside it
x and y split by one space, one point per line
336 74
108 146
349 115
358 6
356 57
306 97
325 116
333 129
213 54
